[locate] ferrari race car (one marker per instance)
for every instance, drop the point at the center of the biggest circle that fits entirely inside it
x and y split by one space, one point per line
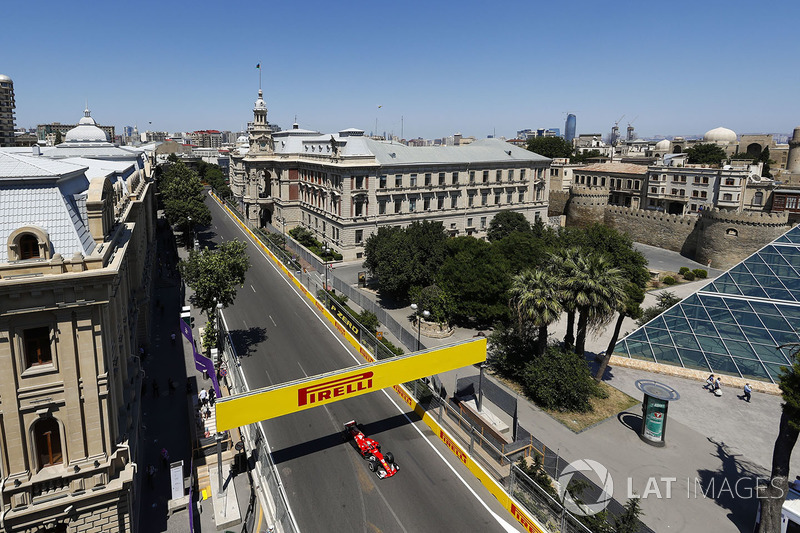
381 463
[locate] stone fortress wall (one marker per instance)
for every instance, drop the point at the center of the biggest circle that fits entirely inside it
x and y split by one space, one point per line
722 237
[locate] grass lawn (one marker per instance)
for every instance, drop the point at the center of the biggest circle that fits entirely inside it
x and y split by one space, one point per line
603 408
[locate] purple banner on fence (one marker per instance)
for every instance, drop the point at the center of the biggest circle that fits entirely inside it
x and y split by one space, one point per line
201 362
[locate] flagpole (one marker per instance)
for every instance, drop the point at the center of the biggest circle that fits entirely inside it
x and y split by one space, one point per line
259 75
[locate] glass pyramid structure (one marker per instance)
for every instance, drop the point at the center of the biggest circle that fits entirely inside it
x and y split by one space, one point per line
736 324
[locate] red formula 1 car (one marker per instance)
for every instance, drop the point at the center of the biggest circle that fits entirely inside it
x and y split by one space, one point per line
381 463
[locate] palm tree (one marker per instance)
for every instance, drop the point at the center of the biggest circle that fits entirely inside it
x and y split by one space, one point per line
597 289
535 300
565 267
634 296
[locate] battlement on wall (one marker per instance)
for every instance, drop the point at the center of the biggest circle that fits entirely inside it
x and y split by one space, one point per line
584 191
747 218
648 214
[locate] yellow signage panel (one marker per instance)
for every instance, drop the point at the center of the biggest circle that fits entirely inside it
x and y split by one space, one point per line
279 400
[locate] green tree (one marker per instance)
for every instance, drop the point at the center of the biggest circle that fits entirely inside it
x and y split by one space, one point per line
597 289
434 300
666 299
522 251
214 275
764 158
59 139
631 307
505 223
536 303
551 147
476 281
184 199
583 157
510 350
172 158
560 380
563 263
706 154
774 493
404 258
628 521
215 177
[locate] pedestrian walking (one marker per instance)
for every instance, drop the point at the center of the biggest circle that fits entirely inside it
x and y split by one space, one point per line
172 338
203 397
171 384
717 387
709 382
747 390
211 395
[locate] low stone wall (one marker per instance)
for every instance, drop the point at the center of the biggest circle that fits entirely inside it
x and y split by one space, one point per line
728 382
557 204
432 330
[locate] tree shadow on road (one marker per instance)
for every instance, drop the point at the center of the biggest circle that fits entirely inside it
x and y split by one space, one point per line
732 486
246 341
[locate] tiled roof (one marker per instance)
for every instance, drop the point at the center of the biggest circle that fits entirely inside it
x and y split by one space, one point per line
616 168
16 165
49 207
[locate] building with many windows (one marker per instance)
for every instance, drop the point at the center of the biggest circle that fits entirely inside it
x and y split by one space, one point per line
343 186
76 259
6 111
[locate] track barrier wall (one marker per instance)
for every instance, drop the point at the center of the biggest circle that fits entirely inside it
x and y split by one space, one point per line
528 503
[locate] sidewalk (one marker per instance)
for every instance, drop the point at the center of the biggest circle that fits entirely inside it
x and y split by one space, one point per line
169 416
711 442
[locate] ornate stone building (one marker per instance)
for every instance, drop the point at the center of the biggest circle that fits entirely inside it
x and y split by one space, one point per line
76 256
343 186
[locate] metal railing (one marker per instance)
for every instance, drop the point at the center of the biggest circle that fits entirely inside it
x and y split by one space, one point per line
493 456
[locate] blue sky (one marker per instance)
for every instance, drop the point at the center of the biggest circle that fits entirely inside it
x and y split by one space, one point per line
469 67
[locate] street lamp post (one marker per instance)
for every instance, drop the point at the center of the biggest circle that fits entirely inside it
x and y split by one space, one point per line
325 251
218 436
480 388
425 314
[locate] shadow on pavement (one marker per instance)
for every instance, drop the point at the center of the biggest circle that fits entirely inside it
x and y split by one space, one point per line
246 341
630 421
732 487
332 440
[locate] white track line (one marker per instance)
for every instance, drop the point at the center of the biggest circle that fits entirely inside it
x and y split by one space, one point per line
505 525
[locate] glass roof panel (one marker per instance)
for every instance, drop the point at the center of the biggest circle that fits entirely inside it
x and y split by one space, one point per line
712 344
759 335
750 368
738 319
740 348
703 327
694 359
722 363
666 354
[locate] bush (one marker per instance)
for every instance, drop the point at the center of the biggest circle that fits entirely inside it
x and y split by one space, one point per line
700 273
392 348
689 276
669 280
560 380
684 270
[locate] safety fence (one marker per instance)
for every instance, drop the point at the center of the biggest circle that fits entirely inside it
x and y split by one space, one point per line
489 459
264 470
297 253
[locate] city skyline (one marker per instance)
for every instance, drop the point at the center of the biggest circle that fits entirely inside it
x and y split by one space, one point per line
428 72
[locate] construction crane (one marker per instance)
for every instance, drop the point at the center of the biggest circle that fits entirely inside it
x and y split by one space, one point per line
615 132
630 136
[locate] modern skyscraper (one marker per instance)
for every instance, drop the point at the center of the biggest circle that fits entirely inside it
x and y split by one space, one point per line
6 111
569 128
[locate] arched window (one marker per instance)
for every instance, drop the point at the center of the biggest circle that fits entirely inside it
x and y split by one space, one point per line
47 438
732 232
28 246
758 198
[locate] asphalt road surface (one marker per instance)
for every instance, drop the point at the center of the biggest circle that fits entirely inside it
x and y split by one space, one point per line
330 488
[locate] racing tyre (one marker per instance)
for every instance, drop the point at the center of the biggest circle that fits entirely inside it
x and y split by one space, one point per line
389 458
373 464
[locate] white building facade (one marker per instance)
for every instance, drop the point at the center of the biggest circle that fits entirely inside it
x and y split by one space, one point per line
343 186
